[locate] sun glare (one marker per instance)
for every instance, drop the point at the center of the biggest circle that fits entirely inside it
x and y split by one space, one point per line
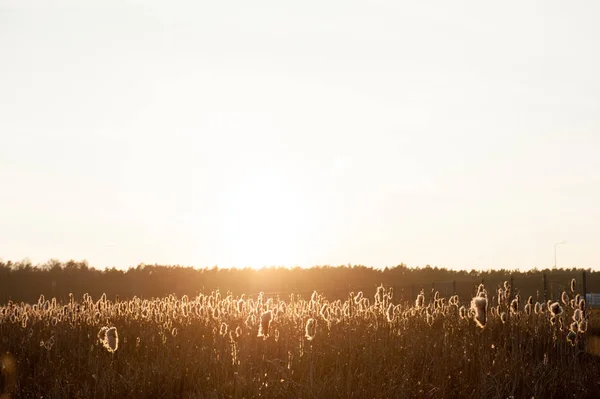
266 224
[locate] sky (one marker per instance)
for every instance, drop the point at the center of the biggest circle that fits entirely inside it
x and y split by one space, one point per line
460 134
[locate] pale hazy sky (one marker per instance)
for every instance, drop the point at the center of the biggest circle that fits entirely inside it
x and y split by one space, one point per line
451 133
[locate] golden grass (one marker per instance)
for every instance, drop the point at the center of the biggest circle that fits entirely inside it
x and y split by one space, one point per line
217 345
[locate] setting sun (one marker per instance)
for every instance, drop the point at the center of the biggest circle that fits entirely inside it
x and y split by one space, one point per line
267 223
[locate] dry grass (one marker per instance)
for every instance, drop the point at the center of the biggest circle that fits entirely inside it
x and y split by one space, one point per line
366 346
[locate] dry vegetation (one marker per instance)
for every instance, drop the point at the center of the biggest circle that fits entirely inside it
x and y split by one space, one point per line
217 345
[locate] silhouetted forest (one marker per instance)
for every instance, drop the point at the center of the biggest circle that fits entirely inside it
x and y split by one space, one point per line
22 281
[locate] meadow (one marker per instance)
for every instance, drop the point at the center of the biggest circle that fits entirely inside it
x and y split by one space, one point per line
217 345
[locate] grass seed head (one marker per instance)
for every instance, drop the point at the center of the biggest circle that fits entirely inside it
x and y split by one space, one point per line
501 296
102 335
379 294
462 312
514 305
481 291
506 289
311 329
555 309
479 306
430 319
453 300
358 297
494 311
111 343
503 317
420 300
565 298
389 314
574 326
265 322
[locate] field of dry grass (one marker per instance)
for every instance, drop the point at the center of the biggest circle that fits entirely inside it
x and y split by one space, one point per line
216 345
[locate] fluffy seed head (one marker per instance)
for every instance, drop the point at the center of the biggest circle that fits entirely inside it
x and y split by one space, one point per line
102 335
310 330
479 307
430 319
389 313
379 294
358 297
325 314
111 343
507 289
555 309
514 305
573 326
480 288
565 298
265 322
314 296
420 300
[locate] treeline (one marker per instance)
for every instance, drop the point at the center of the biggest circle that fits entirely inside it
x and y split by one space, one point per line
22 281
